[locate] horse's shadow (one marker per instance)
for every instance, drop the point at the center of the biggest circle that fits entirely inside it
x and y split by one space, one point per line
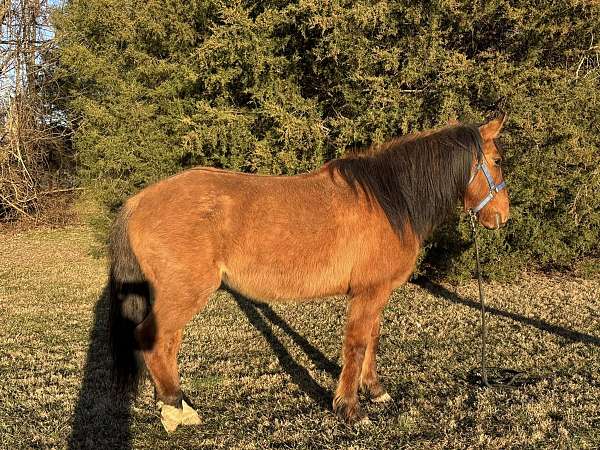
262 316
566 333
100 420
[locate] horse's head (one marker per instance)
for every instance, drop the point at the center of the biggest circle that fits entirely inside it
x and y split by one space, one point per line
486 194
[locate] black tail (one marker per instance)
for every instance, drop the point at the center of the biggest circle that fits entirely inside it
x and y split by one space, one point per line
129 304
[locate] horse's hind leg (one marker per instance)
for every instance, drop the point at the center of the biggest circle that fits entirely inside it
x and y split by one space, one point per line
364 310
162 329
161 361
369 380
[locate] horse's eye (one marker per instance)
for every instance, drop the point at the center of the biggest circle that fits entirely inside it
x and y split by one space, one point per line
498 160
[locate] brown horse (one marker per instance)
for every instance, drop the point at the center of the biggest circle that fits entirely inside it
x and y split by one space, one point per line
353 227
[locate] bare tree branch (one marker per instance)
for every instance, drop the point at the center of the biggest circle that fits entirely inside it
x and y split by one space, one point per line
28 134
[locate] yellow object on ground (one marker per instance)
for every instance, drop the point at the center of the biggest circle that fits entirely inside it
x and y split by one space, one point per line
171 417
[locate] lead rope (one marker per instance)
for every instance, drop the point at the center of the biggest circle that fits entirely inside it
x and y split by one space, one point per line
506 378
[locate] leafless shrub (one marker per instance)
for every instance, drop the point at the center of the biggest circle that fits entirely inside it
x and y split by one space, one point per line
30 134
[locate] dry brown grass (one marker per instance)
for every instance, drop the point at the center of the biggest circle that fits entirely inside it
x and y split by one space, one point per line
263 376
57 210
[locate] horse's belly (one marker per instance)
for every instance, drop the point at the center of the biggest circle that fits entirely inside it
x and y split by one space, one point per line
293 282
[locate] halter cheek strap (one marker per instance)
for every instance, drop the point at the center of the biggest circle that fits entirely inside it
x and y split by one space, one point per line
494 188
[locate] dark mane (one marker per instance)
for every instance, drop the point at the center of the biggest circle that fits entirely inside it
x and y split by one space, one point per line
416 178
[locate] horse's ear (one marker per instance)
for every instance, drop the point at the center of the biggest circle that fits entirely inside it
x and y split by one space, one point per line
491 130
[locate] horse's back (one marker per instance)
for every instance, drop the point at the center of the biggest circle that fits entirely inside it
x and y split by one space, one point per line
242 204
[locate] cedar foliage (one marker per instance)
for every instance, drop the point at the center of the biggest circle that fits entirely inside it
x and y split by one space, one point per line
281 87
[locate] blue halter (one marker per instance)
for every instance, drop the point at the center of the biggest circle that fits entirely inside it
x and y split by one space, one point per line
494 188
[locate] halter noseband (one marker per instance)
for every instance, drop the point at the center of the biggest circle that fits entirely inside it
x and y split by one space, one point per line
494 188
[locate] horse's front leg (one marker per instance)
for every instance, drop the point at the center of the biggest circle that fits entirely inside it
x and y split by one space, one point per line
364 310
369 380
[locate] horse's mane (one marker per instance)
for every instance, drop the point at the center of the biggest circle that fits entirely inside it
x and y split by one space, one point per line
416 178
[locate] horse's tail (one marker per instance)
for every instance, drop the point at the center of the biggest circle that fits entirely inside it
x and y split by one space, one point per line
129 304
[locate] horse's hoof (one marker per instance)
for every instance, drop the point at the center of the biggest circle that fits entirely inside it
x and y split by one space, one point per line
383 398
190 416
171 417
350 413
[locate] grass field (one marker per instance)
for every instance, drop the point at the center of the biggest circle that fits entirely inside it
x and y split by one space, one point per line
263 376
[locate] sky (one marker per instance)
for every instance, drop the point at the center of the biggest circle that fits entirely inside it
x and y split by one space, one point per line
45 32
